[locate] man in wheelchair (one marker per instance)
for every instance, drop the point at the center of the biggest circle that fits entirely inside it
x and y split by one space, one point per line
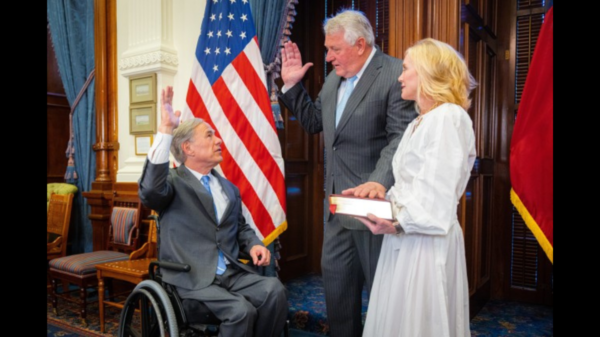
202 225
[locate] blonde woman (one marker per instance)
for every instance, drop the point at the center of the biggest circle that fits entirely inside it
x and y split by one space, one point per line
420 286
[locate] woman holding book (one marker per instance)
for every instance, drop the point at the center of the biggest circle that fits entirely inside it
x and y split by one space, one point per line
420 286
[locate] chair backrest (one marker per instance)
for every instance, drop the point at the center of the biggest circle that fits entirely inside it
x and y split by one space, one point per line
152 238
59 188
58 220
124 230
149 248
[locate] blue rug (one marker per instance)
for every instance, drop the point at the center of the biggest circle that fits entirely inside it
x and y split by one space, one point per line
503 318
307 305
497 318
308 317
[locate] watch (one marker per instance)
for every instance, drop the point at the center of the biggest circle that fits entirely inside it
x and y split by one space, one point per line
399 228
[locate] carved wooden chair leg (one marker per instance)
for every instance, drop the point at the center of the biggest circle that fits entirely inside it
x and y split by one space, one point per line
83 297
54 297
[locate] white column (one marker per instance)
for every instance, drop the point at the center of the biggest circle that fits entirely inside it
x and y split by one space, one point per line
153 37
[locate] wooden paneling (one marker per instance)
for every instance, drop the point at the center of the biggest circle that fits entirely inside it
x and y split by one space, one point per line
106 146
57 118
57 138
53 80
295 241
303 153
379 16
105 44
479 49
412 20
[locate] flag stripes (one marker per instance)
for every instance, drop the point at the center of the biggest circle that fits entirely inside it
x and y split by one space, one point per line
228 90
248 159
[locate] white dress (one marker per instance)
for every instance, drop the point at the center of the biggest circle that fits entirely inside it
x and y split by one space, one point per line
420 287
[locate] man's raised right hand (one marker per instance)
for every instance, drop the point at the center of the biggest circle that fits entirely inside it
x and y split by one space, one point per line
169 119
292 70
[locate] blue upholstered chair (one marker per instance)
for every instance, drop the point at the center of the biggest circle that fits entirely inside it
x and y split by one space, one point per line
80 269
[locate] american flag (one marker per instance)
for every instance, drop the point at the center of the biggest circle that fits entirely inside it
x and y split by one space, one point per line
228 90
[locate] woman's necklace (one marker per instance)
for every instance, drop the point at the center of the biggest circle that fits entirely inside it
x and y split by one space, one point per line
420 117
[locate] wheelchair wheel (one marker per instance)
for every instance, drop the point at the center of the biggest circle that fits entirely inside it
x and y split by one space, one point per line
156 315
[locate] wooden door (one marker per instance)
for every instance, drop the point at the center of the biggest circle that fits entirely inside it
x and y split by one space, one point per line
482 51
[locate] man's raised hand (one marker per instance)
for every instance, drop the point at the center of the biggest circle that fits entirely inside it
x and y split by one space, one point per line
169 119
292 70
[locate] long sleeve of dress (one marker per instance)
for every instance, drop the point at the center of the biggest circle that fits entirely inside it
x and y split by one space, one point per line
436 165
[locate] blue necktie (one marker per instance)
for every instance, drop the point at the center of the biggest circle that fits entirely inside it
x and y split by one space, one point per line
342 104
221 266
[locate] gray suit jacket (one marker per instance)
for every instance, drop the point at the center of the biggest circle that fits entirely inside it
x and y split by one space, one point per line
189 232
361 148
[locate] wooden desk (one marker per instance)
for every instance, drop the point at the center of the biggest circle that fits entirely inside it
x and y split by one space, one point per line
134 271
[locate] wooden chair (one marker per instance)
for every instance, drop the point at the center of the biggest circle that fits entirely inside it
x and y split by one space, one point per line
80 269
57 226
59 188
58 220
134 270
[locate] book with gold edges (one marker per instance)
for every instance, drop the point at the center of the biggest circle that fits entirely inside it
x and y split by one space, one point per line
360 207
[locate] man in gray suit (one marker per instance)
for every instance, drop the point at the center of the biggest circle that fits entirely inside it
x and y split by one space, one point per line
360 141
202 225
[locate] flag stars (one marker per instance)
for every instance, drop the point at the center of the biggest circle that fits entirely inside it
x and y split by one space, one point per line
216 49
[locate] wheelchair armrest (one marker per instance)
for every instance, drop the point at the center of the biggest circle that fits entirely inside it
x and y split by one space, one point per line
167 265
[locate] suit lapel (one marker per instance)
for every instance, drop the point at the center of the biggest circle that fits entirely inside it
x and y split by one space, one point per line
360 90
199 190
331 90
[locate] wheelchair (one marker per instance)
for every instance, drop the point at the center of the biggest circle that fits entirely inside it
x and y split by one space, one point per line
155 309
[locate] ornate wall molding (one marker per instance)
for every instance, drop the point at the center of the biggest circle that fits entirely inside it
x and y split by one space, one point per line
149 35
155 61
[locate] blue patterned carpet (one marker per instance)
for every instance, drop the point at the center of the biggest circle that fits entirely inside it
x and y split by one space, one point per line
497 318
308 318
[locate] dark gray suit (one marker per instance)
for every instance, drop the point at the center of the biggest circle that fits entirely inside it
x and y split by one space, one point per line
190 234
360 149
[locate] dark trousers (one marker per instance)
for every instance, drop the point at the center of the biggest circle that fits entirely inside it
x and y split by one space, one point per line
348 264
247 304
